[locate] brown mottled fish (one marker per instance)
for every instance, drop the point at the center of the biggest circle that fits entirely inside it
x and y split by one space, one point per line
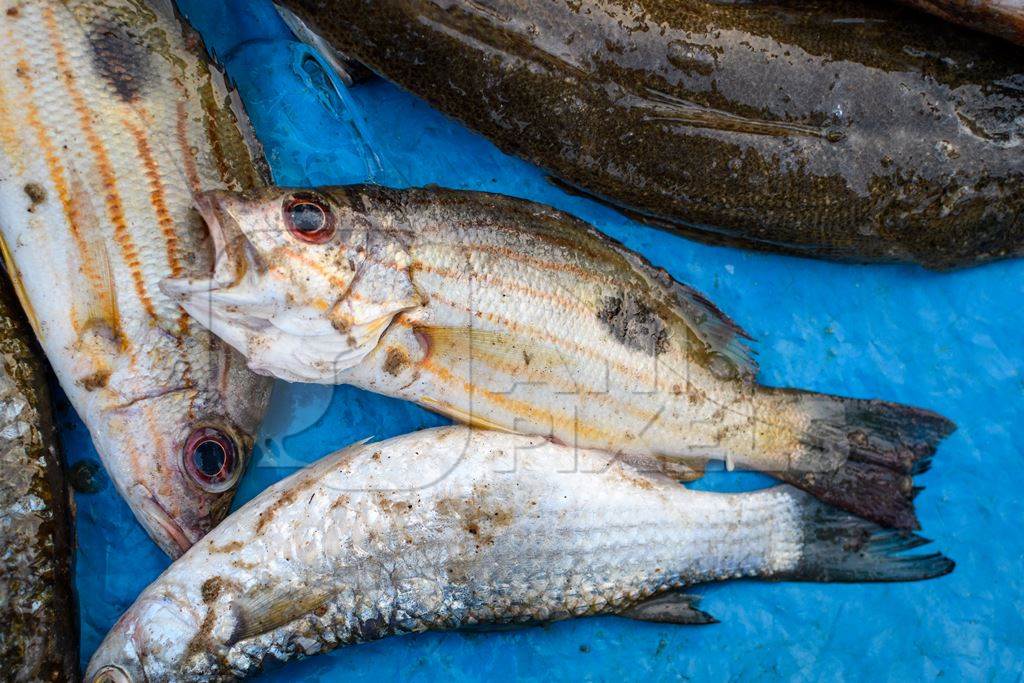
39 641
506 314
837 129
454 528
111 119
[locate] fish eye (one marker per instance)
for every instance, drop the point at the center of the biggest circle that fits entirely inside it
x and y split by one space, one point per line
111 674
211 459
308 218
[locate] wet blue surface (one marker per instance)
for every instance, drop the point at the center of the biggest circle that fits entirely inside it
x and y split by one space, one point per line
953 343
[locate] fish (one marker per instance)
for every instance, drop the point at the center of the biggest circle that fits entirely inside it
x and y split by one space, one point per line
112 118
511 315
455 528
840 130
1003 18
37 604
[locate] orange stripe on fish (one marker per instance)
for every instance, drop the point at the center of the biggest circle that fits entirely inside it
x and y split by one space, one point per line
157 197
187 155
115 208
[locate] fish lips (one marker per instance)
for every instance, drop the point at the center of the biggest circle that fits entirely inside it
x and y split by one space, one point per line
233 254
167 533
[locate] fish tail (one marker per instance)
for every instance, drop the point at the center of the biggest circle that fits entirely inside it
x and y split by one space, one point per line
836 546
859 455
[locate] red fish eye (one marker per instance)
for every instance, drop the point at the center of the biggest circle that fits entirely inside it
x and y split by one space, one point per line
211 459
309 219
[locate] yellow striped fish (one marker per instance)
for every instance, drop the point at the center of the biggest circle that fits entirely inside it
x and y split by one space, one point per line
510 315
111 120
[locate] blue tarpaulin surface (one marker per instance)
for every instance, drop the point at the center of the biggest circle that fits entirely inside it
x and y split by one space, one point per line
950 342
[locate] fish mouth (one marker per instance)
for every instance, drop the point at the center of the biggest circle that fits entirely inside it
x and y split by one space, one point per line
167 533
233 255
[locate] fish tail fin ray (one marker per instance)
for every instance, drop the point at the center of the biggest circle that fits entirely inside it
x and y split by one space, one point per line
861 455
839 547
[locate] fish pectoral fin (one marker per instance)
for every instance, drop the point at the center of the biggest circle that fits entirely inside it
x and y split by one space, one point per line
513 355
685 470
460 415
670 608
267 610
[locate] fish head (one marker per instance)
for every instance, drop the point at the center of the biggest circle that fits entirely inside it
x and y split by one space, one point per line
177 458
281 291
148 643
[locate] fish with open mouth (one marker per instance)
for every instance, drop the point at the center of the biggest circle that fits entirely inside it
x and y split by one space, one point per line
111 119
37 610
836 129
507 314
454 528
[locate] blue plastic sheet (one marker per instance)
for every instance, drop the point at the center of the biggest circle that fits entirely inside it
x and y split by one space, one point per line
950 342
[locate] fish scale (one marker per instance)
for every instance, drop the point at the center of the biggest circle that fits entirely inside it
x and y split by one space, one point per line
336 554
112 111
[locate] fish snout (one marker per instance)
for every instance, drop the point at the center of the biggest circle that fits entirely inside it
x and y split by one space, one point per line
165 531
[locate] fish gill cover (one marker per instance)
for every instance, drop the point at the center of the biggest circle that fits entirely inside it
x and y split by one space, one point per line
953 343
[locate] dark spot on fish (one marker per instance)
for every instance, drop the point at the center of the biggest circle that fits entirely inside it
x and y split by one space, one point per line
86 476
227 547
267 516
633 323
96 380
478 516
584 648
36 194
375 456
395 361
211 589
13 12
121 59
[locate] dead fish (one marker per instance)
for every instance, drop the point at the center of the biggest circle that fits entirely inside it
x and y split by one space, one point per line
39 640
1003 18
506 314
111 119
841 130
453 528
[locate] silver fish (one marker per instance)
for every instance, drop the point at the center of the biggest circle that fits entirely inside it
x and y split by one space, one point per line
455 528
111 119
506 314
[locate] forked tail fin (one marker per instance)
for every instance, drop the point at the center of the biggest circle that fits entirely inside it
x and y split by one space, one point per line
861 455
839 547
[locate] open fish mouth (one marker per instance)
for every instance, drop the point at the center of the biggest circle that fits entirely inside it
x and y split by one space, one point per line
231 252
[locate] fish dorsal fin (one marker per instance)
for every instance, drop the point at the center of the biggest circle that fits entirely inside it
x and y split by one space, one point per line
268 609
338 62
728 353
670 608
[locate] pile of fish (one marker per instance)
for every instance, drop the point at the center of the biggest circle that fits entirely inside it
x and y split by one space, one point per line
167 282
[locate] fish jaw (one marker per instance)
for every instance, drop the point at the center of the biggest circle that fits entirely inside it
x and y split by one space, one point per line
266 303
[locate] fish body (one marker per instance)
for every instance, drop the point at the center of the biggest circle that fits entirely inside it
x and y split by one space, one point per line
39 640
455 528
111 118
841 130
506 314
1003 18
